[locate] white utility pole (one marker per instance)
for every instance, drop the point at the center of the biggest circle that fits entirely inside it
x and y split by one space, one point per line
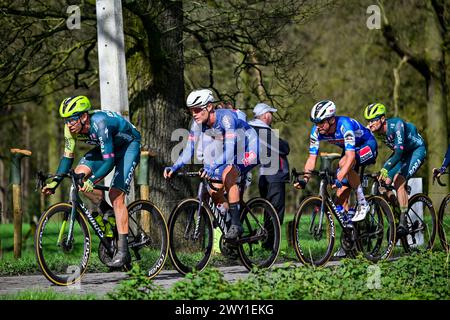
112 64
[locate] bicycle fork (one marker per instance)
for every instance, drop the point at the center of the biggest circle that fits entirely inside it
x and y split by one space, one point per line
193 219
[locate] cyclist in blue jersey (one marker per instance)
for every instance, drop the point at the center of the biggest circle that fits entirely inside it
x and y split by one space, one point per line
445 163
408 156
233 153
359 148
117 145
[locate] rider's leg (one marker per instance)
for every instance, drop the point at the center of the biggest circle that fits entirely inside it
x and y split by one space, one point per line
402 195
125 164
230 176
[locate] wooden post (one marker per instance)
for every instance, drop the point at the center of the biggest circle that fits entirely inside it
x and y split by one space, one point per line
143 185
17 155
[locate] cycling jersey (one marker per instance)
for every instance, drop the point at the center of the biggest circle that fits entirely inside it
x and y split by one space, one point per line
229 140
349 135
117 144
446 161
402 137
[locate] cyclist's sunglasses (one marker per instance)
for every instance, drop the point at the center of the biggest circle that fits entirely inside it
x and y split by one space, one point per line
73 118
373 120
320 122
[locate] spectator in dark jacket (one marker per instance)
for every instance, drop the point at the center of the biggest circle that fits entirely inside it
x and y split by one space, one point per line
273 151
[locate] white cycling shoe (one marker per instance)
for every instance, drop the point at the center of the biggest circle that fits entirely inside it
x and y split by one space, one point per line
361 212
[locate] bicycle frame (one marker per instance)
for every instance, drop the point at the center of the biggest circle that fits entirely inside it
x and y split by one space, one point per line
78 205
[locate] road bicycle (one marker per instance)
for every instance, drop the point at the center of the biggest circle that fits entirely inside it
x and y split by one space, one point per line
444 217
193 220
314 230
420 217
63 239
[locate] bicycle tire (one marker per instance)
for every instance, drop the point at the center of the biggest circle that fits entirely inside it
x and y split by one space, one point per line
62 264
148 236
307 250
259 220
186 253
411 242
444 223
376 233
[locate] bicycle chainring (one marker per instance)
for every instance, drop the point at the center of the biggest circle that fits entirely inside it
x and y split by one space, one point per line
103 253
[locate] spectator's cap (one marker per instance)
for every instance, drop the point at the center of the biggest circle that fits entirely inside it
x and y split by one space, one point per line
262 108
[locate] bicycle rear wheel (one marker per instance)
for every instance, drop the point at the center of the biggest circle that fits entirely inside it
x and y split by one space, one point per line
261 234
421 221
313 239
62 262
191 236
376 233
444 223
148 237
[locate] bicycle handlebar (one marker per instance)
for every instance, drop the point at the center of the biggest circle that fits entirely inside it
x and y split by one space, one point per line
77 179
435 177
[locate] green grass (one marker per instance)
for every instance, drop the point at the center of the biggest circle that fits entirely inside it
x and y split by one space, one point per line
47 295
420 276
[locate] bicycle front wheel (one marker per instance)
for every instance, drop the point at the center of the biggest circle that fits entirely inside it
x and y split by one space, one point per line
444 223
376 233
148 237
191 236
314 232
421 223
62 258
261 236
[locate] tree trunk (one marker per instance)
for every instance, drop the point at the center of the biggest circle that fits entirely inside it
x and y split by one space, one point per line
160 103
436 97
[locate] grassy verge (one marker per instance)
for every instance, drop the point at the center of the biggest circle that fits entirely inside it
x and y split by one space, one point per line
416 277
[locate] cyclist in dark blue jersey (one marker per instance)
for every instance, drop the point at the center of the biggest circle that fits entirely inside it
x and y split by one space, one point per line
359 148
117 146
408 156
445 163
230 151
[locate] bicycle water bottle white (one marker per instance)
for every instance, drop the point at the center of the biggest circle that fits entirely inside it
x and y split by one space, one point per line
222 209
350 214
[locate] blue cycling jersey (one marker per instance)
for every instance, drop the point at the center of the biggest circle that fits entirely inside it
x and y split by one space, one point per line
228 141
446 161
349 135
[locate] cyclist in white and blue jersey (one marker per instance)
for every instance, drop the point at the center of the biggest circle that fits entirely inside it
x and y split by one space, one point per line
233 153
359 149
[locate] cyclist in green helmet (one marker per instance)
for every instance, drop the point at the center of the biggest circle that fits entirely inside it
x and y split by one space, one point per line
117 146
408 155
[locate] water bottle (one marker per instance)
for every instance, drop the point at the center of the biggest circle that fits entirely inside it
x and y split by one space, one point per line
350 214
222 209
110 222
99 218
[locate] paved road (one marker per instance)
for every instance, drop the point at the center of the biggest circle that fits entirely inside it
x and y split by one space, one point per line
102 283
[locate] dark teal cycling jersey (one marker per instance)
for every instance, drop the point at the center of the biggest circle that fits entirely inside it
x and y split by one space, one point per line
401 137
110 133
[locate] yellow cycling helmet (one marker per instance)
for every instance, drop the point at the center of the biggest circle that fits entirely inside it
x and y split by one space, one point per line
74 105
374 110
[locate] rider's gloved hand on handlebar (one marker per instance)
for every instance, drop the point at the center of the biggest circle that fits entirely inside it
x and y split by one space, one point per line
50 188
437 172
206 172
300 183
168 172
338 183
88 186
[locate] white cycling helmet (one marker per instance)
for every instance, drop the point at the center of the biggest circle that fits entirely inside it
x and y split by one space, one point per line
322 110
199 98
